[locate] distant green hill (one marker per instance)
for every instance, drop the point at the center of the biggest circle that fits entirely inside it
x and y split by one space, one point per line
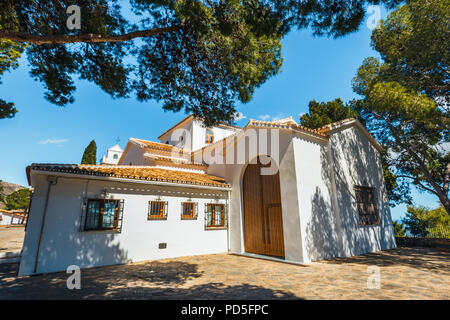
7 189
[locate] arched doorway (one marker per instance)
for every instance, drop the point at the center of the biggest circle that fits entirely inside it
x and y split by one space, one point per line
263 222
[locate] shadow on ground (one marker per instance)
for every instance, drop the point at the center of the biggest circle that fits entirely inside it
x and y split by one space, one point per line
420 258
154 280
409 273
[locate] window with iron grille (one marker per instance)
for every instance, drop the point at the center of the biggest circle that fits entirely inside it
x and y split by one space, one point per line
188 211
157 210
102 214
366 204
215 216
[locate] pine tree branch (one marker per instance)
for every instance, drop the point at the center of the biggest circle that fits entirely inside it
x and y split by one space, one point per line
85 38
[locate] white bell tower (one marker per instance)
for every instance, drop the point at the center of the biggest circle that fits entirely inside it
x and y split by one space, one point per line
113 155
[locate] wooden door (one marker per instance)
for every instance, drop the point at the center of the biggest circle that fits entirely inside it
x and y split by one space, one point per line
263 223
253 211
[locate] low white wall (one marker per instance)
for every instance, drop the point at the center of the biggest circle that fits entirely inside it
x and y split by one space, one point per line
8 219
63 244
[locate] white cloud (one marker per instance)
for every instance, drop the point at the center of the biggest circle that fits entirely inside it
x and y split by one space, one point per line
278 117
53 141
267 117
239 116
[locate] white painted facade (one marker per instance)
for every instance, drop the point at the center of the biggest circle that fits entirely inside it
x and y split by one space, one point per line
318 174
317 179
190 134
63 243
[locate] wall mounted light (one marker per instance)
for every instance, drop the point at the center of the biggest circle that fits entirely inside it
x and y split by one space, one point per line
105 193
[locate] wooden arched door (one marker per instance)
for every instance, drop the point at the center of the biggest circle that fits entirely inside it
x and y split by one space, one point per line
263 222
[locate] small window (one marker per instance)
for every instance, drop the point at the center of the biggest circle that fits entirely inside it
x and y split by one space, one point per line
101 215
115 157
188 211
367 209
157 210
214 215
209 136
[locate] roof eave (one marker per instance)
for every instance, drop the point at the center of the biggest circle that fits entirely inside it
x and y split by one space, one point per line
189 117
298 129
127 180
352 122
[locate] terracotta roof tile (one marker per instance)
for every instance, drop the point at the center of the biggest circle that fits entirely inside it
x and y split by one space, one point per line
135 172
326 128
156 145
293 125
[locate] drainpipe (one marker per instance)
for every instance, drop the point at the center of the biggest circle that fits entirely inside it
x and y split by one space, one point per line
52 180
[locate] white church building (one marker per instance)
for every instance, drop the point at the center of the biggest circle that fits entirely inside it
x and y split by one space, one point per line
272 189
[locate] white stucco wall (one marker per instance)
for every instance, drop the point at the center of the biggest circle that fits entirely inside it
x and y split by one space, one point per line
199 131
317 216
133 156
293 246
173 138
194 135
320 219
63 244
233 173
357 162
8 219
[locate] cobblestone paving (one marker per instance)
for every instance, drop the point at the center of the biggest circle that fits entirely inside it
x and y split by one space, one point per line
11 238
406 273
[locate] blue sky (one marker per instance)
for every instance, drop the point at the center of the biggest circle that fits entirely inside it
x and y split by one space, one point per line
313 68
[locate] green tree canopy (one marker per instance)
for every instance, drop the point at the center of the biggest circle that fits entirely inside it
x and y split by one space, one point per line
420 221
399 229
19 199
10 52
192 55
405 98
90 154
323 113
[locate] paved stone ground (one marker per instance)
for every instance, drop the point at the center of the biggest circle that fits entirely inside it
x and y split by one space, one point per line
11 238
406 273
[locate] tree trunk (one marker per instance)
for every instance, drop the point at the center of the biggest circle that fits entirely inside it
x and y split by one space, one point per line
85 38
446 202
442 193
